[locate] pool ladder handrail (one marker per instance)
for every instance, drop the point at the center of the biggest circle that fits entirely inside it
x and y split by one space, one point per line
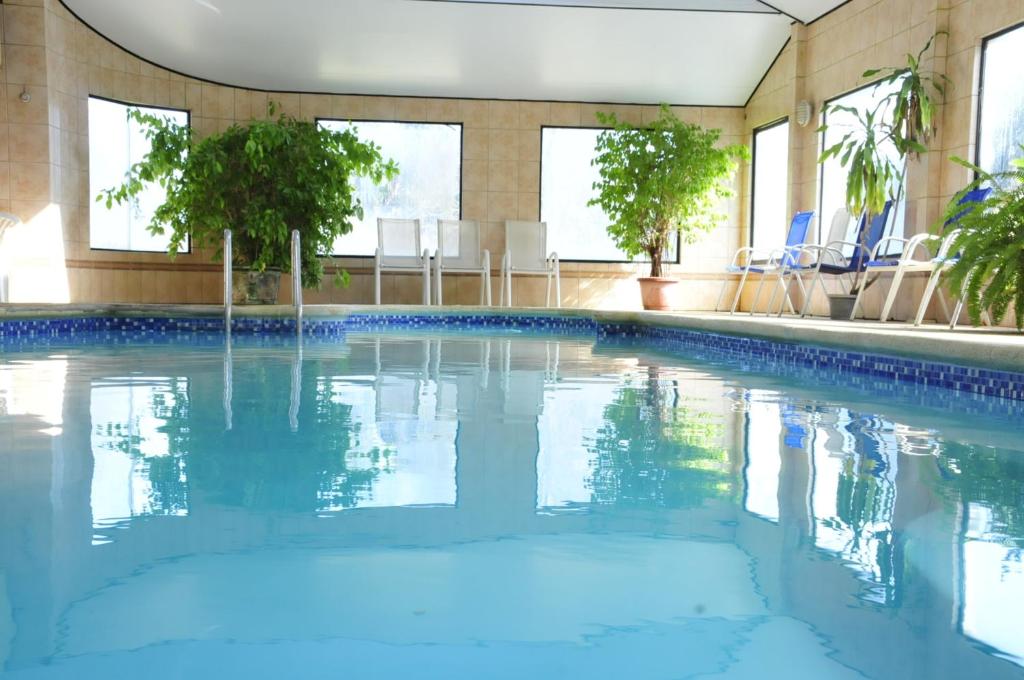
227 257
297 280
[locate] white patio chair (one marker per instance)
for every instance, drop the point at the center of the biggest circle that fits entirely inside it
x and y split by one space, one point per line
803 259
7 220
399 250
906 263
526 254
458 250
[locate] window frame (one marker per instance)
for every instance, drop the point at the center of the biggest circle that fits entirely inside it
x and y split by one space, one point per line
826 220
753 170
540 201
91 201
976 156
462 164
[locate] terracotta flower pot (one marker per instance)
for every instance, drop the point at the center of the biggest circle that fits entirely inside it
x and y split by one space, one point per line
656 292
255 288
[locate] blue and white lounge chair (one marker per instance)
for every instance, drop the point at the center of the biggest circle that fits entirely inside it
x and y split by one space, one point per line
805 259
868 236
907 263
944 261
764 263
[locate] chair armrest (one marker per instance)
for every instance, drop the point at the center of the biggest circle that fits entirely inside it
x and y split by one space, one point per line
888 239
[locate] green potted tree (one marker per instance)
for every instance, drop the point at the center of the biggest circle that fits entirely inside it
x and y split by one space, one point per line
261 180
660 180
876 144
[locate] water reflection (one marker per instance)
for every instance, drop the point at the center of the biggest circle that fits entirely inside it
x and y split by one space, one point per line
517 490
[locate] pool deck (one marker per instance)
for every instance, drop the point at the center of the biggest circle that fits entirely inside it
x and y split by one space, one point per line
1001 348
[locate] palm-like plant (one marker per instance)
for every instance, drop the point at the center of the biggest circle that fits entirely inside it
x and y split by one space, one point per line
990 270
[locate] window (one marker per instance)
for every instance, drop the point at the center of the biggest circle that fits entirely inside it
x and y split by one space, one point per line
576 231
833 174
115 143
428 185
1001 114
768 220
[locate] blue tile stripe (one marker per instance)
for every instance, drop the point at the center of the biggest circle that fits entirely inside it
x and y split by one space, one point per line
25 333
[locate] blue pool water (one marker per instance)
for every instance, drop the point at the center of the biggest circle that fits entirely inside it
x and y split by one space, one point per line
504 505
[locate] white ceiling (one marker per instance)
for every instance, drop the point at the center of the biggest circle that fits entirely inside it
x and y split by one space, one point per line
710 52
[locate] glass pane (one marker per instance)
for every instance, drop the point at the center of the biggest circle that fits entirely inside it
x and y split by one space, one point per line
115 143
428 185
1001 128
576 231
769 223
833 175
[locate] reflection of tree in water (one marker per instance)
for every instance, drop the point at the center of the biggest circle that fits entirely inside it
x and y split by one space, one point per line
260 463
169 493
657 448
988 477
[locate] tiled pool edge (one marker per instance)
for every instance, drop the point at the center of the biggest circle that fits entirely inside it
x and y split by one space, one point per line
668 331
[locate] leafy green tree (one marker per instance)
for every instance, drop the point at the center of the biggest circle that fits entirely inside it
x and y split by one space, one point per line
667 178
261 180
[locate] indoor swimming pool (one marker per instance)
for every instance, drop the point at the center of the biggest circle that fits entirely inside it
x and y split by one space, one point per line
497 503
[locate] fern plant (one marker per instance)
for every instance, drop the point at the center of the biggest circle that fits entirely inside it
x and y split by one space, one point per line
989 273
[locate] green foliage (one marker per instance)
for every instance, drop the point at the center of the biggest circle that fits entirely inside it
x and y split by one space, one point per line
669 177
990 270
261 180
913 112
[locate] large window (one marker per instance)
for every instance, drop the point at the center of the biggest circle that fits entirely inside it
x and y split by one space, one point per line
428 186
833 174
576 231
115 143
1001 119
768 219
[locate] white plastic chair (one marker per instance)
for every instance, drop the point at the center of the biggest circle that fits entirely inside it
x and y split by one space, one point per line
458 250
7 220
399 250
526 253
878 265
804 258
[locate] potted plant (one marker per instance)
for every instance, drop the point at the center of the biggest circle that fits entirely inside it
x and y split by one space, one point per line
903 121
989 272
657 181
261 180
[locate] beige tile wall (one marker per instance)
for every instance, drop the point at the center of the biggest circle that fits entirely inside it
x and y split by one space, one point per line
44 149
827 58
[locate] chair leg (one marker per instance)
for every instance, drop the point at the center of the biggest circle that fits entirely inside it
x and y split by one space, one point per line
376 285
890 299
929 291
860 294
558 289
955 316
426 282
547 292
810 293
508 291
757 295
739 291
721 293
438 295
487 286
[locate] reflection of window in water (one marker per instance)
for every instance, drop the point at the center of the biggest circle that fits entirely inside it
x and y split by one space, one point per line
34 388
134 472
403 443
993 575
853 493
763 456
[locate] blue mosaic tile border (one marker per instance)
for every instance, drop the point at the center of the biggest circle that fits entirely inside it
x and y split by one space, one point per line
982 381
23 333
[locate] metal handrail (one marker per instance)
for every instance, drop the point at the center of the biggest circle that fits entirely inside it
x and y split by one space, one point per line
297 279
227 256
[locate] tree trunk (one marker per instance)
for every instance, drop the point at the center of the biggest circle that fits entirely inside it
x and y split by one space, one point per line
655 255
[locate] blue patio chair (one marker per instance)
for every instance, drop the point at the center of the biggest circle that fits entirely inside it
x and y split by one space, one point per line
907 263
868 236
764 263
944 260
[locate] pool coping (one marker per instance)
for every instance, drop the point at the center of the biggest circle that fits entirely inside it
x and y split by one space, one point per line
985 348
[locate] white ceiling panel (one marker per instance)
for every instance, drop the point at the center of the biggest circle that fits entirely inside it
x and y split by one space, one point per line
485 49
808 10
